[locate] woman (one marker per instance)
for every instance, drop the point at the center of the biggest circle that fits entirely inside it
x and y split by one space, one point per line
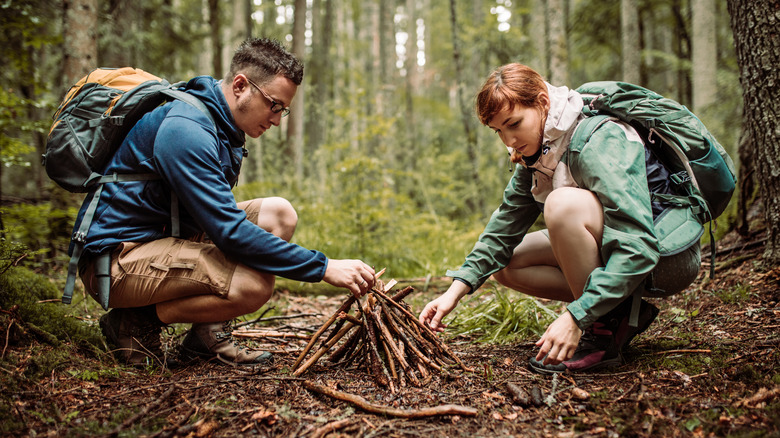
600 246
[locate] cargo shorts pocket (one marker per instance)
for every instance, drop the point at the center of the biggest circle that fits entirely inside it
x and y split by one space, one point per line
171 268
156 258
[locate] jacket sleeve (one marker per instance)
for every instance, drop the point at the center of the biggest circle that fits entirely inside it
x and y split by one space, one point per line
187 156
611 164
505 230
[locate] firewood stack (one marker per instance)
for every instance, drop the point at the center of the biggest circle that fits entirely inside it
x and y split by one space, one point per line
384 336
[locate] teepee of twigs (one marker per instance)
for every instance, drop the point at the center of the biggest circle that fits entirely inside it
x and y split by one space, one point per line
384 336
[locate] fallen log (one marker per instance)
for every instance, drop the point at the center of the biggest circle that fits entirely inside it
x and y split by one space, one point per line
367 406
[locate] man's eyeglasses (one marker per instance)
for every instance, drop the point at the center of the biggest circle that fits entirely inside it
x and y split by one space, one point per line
276 107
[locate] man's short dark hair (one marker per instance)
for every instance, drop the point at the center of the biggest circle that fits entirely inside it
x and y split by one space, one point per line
262 59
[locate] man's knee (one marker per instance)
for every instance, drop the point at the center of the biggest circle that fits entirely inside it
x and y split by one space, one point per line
278 216
250 290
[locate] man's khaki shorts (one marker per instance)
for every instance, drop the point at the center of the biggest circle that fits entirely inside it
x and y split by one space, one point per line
144 273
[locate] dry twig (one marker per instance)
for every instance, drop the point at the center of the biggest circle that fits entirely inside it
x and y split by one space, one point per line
384 410
384 336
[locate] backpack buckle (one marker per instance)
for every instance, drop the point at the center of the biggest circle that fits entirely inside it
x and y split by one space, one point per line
80 237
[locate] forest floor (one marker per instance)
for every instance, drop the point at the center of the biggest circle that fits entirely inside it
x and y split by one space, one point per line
708 366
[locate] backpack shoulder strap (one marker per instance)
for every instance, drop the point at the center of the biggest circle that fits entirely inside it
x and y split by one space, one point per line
585 130
191 100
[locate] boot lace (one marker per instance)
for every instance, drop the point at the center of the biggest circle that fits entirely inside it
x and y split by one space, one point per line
226 335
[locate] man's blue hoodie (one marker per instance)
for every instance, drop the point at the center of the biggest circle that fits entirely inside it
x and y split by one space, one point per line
200 164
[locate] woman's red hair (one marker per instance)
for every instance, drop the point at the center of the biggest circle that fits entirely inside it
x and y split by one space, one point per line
507 86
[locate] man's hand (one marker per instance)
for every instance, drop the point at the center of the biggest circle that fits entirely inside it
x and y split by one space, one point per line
559 341
437 309
354 275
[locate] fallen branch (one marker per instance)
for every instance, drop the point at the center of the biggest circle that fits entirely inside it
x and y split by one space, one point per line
331 427
762 396
367 406
254 334
519 395
683 351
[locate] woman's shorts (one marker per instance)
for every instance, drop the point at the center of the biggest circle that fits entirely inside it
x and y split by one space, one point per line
144 273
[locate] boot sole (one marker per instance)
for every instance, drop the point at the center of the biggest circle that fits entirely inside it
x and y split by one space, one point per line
189 355
610 363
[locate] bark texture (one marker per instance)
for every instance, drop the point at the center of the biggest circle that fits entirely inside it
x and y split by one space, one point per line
757 44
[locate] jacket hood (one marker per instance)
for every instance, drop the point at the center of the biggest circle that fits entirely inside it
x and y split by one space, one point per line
209 91
565 109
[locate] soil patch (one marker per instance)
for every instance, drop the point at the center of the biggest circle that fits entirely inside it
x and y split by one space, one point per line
709 365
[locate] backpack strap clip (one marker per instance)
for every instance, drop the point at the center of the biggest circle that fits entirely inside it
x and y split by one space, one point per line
80 237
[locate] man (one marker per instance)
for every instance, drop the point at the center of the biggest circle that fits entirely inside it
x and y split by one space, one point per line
225 262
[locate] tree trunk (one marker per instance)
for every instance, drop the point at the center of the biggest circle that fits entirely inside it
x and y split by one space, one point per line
538 27
683 53
120 51
757 45
80 38
630 50
476 201
410 65
215 27
295 122
80 51
319 73
558 40
705 54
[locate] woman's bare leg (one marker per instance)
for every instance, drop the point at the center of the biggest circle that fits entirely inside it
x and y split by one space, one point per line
575 220
533 270
558 267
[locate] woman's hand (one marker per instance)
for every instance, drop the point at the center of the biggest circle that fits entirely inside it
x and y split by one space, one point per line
560 340
437 309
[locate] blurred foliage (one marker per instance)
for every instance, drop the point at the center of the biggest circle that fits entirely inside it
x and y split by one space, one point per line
30 225
390 188
13 151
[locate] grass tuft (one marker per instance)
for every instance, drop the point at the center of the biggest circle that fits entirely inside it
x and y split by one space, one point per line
501 316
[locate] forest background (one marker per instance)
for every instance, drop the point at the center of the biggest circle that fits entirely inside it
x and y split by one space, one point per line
382 155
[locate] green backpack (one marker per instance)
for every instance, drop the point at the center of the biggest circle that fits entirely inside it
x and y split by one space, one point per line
696 161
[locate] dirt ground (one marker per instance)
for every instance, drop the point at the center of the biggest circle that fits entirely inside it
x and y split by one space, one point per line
708 366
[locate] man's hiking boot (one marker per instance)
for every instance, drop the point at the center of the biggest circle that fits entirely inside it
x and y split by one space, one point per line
215 340
597 349
135 338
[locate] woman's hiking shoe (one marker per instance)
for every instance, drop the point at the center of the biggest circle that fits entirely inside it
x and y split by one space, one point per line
602 344
135 339
597 349
215 340
625 333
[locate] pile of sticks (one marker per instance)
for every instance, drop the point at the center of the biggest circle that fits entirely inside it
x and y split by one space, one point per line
384 336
